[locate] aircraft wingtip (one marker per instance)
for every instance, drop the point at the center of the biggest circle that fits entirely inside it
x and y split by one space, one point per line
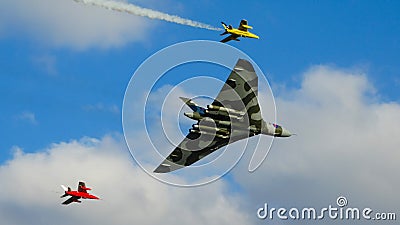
167 167
245 65
163 168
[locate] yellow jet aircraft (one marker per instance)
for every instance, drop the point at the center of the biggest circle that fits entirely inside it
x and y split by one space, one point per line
239 32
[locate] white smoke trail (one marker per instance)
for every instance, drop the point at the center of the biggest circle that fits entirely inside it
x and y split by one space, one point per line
139 11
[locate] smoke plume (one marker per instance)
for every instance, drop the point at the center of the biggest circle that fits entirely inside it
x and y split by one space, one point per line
149 13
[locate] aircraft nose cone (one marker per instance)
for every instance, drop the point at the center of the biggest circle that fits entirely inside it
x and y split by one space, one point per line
286 133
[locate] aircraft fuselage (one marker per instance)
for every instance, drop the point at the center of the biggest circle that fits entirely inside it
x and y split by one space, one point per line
232 123
242 33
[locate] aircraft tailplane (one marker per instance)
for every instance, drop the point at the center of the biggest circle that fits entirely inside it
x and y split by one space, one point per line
226 27
64 195
64 188
65 191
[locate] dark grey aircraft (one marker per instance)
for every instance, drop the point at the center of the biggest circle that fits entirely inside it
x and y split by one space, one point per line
234 115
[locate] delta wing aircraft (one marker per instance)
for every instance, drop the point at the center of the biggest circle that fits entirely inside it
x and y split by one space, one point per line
76 195
234 115
242 31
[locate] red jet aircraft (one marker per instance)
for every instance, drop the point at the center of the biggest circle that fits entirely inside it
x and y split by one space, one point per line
75 195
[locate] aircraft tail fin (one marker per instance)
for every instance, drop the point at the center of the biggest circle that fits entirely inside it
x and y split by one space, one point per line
196 108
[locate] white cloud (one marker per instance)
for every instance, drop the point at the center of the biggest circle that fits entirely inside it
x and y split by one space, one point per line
47 63
30 190
347 145
67 23
101 107
28 117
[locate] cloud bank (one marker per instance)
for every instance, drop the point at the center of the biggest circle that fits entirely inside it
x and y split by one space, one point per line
31 189
65 23
346 145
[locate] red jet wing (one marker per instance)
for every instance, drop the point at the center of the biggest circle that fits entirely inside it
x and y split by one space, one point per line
70 200
75 195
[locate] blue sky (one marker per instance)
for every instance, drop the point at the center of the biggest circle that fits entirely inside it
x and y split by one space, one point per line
64 73
55 83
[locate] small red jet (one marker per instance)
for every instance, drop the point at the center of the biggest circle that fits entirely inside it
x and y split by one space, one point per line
76 195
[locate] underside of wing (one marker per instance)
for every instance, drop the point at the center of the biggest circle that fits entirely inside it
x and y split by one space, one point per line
240 93
233 115
193 148
230 38
70 200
